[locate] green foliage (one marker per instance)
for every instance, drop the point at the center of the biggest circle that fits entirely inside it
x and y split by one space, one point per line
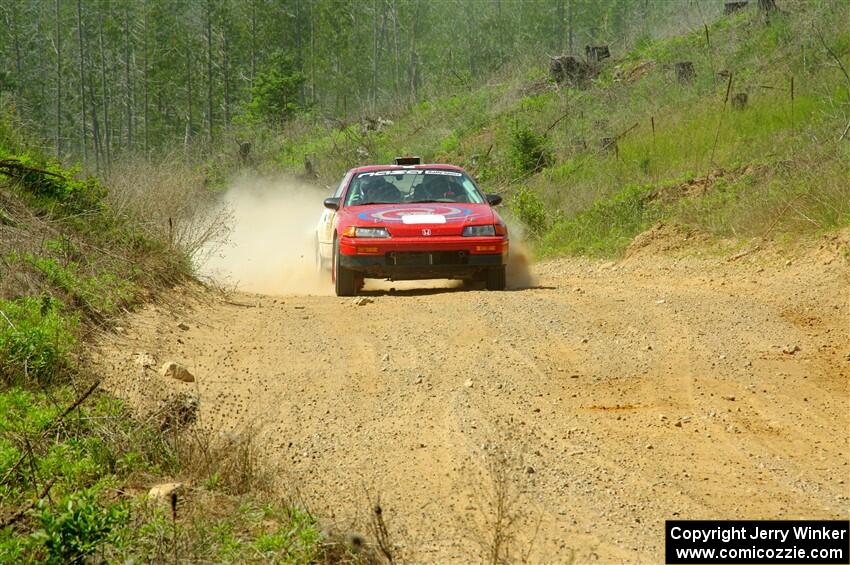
529 152
605 229
75 528
277 90
99 295
531 211
298 542
51 184
36 339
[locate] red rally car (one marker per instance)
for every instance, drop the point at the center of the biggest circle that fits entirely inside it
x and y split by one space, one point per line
410 221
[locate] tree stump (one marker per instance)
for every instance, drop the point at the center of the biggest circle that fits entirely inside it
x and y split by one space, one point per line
767 6
685 72
309 165
734 6
739 101
596 53
568 69
244 151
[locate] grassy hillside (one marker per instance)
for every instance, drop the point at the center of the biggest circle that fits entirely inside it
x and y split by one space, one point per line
684 153
75 464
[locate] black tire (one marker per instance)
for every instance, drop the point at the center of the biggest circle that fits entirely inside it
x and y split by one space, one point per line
496 279
345 280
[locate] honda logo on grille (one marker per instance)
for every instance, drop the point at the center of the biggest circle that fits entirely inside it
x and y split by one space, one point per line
426 232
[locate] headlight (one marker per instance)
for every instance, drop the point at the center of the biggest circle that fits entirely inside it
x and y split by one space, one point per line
479 231
371 232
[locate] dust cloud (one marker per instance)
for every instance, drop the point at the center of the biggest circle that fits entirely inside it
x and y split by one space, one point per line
518 270
271 246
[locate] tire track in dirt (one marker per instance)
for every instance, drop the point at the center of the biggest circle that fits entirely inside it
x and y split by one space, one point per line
617 396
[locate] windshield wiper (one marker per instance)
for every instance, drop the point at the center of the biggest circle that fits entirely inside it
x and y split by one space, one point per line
371 203
425 201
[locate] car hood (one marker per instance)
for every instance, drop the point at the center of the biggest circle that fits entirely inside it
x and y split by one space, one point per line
408 220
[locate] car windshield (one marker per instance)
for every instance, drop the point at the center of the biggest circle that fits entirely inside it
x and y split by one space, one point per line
406 186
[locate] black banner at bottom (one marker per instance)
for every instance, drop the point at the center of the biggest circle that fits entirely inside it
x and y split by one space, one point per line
757 541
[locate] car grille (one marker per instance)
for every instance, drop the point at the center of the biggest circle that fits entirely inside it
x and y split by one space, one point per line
426 258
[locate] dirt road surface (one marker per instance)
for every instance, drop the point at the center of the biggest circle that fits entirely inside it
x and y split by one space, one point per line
610 397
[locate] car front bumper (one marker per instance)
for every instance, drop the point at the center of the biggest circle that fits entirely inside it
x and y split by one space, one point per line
415 258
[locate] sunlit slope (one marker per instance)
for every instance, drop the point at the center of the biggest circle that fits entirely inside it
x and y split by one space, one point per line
686 152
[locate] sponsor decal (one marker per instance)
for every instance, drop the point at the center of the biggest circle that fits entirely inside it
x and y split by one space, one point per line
397 214
423 219
394 172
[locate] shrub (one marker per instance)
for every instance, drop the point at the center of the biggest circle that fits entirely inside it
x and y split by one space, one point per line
74 530
530 210
35 339
528 151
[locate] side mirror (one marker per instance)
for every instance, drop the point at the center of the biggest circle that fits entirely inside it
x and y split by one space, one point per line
332 203
494 199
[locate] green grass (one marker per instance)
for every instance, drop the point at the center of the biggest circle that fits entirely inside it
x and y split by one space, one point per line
90 456
71 481
589 196
37 339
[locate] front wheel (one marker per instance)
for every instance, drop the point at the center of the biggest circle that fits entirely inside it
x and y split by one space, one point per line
345 280
496 278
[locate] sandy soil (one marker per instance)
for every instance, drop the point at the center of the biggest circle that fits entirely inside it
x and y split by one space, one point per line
610 397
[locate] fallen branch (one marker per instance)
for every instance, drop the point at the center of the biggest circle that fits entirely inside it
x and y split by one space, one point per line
21 512
556 122
618 137
14 168
767 232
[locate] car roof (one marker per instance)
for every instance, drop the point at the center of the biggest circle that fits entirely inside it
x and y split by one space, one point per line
443 166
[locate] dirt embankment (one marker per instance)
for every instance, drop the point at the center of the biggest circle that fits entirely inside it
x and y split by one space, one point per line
610 397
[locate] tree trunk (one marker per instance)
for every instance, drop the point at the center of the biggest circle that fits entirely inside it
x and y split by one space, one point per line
312 58
209 73
145 78
413 70
396 50
82 85
570 26
374 94
226 71
560 26
42 75
253 42
299 53
190 125
14 25
96 144
58 85
105 94
128 89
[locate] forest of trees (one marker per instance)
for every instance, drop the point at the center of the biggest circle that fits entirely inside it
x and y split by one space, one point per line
103 78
